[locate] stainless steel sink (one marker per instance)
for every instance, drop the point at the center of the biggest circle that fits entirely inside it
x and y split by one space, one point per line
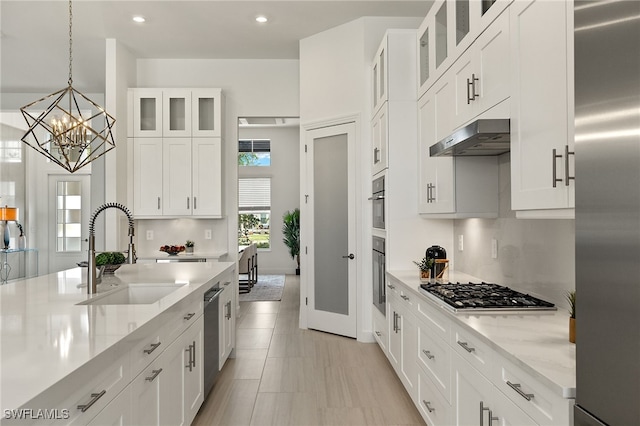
133 294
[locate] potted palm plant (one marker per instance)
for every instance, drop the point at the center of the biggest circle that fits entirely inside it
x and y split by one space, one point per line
571 298
291 234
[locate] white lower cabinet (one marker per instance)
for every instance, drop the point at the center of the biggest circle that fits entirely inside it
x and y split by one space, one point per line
381 331
403 341
227 322
117 413
454 375
168 391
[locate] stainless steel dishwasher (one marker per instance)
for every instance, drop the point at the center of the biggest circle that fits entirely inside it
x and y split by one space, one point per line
211 337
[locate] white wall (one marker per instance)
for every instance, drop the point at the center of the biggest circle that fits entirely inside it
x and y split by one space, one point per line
285 190
252 88
536 256
335 82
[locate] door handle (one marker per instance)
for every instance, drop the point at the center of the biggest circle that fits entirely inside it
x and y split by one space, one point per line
350 256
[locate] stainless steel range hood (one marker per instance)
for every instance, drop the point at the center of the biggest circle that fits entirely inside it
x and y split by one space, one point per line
482 137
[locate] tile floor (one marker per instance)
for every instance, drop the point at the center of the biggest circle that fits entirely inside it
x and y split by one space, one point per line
283 375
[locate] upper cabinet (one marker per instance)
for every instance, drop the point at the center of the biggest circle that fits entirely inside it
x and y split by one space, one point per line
394 86
451 187
448 30
542 131
177 172
176 113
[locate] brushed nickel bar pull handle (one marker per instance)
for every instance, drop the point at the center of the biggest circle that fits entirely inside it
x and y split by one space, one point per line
377 197
94 397
154 375
482 410
189 316
516 387
555 171
378 334
428 405
466 347
567 153
194 354
189 366
195 199
428 354
468 95
187 202
392 287
158 203
154 346
376 156
474 95
404 297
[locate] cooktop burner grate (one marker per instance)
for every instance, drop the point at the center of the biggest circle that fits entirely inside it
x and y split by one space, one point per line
485 296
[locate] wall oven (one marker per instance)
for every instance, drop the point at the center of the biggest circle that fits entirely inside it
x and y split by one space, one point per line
379 293
377 197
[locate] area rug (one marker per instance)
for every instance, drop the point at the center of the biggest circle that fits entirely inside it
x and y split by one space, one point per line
268 287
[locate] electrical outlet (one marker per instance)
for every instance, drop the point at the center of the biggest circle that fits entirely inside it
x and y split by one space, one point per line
494 248
460 242
207 234
149 235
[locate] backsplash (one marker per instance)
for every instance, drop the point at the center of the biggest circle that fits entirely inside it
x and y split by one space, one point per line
535 256
178 231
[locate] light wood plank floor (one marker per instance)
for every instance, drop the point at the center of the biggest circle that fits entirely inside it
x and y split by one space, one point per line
283 375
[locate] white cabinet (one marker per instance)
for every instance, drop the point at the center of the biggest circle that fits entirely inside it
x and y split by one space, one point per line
381 331
177 177
473 399
449 28
454 187
394 84
118 412
226 322
542 166
193 379
147 176
176 112
177 154
146 119
482 73
380 134
403 342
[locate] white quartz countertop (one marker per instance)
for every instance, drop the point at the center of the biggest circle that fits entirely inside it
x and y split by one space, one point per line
536 341
45 335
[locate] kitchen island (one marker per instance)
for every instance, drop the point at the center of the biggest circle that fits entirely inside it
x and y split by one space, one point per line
54 340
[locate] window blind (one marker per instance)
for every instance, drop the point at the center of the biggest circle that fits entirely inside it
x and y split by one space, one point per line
254 194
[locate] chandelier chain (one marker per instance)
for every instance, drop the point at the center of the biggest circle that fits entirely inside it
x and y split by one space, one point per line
70 42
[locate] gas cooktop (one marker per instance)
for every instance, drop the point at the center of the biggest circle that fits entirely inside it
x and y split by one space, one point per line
483 296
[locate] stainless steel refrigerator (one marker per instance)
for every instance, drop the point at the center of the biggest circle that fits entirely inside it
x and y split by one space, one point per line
607 158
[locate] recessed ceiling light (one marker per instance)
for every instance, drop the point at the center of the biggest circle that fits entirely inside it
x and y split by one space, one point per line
139 19
261 19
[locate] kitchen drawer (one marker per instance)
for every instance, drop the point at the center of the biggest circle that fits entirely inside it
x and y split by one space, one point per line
94 385
381 330
434 356
393 287
184 314
435 410
532 396
168 326
472 349
428 314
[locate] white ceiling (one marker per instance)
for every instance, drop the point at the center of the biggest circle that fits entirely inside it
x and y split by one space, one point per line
34 34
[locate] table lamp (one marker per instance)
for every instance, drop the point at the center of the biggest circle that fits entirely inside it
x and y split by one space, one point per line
6 214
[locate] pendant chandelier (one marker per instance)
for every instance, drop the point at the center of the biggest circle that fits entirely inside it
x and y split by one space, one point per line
67 127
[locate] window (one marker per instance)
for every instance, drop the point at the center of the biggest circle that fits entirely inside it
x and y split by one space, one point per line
254 211
254 152
68 217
